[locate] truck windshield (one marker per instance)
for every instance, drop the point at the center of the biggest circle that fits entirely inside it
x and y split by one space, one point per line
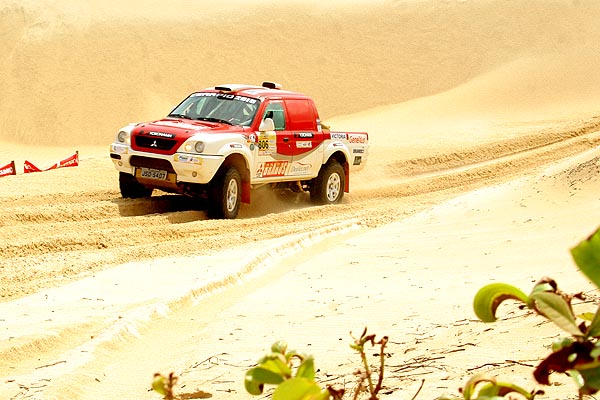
218 107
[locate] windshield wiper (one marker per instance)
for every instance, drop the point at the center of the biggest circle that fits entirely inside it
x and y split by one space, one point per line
179 116
211 119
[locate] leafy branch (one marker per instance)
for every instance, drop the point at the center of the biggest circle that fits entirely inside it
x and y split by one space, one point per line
577 355
277 368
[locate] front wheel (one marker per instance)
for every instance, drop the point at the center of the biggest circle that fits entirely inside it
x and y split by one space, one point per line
328 187
131 188
225 194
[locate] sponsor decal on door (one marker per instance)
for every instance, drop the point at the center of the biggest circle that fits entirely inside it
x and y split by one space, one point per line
300 169
271 168
267 143
304 145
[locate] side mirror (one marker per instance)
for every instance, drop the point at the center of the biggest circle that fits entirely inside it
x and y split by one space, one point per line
266 125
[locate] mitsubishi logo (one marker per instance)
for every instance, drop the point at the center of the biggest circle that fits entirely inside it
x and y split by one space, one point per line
154 144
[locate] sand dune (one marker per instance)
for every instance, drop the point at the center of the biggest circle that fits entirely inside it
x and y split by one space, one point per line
484 124
77 71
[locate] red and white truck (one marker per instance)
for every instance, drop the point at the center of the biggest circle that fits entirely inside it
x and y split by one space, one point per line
224 141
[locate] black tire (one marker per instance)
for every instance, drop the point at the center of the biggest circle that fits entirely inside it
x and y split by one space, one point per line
131 188
328 186
225 195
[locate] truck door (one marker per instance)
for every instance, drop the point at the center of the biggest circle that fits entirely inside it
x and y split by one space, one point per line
274 155
306 137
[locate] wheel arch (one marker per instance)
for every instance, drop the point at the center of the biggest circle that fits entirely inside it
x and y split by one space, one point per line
238 161
342 159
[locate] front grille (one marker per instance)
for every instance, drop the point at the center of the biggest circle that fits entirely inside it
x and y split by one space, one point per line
154 163
151 142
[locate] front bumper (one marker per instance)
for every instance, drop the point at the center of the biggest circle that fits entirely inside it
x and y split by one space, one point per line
181 167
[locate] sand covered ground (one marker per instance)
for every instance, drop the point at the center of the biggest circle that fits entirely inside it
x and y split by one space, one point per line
484 126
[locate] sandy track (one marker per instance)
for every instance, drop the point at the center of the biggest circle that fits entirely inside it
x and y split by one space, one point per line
99 230
76 229
76 226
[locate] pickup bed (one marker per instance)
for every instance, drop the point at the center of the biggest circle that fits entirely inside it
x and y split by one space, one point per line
222 142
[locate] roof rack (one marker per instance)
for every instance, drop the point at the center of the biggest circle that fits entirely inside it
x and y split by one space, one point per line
271 85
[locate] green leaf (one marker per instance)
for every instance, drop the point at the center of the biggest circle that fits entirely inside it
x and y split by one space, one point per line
277 363
488 390
252 386
594 328
294 354
501 389
158 384
591 379
488 299
307 369
595 353
298 389
540 287
279 347
556 309
476 379
257 377
588 316
587 257
577 378
561 343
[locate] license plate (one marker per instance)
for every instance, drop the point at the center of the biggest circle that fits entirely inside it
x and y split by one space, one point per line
153 173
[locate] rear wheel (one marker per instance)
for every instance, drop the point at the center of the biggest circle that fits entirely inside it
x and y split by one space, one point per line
328 187
131 188
225 194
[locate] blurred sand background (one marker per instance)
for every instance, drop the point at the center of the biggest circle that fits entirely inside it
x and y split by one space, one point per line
484 122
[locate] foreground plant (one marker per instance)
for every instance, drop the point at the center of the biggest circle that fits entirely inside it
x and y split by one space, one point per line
486 387
277 368
164 385
577 355
366 375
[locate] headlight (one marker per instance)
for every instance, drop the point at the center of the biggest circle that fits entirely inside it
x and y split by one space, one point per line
122 136
197 147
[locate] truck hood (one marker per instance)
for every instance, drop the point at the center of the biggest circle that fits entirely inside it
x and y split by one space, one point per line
166 136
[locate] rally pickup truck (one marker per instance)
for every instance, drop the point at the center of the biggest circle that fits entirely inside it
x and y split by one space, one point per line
222 142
